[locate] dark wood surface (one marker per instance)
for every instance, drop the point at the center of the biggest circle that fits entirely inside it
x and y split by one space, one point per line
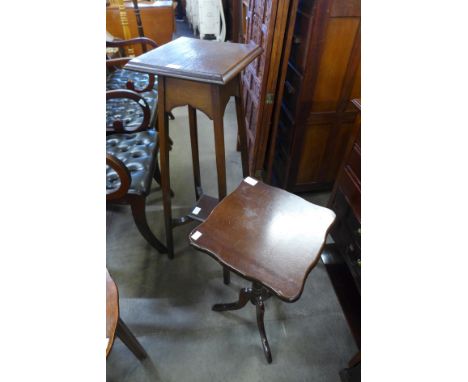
265 24
314 119
197 60
345 289
203 75
112 311
344 262
212 100
266 235
115 325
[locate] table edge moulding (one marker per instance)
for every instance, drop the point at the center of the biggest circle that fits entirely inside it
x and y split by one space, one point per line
151 62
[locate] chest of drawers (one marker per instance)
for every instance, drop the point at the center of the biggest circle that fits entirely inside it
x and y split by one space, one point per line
346 202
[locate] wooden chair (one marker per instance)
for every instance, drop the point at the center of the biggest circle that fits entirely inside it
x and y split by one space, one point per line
142 83
115 325
132 161
267 236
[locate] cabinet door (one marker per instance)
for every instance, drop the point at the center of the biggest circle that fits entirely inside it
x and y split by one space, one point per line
266 22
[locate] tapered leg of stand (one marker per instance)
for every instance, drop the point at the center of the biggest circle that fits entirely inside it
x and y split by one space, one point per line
163 124
219 141
157 176
260 306
127 337
195 155
244 297
242 134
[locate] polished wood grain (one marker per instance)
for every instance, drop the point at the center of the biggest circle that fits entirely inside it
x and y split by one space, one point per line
265 24
115 325
266 235
157 19
112 311
313 119
203 75
197 60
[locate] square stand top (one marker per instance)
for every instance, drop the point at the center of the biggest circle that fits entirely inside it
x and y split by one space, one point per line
266 235
198 60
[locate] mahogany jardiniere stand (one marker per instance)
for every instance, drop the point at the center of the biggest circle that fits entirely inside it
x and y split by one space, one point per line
203 75
269 237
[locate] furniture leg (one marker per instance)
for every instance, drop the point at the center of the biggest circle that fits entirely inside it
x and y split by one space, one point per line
157 176
220 155
164 157
127 337
226 276
157 173
192 112
257 294
355 360
219 142
260 307
139 215
242 133
245 295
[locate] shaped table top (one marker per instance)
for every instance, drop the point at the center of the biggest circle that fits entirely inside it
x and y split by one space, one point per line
198 60
266 235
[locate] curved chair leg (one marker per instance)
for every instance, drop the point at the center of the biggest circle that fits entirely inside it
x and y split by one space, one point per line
127 337
139 215
244 297
260 307
157 173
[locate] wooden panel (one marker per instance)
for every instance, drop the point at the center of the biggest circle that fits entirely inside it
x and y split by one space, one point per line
259 30
335 151
266 23
342 8
325 51
340 37
157 20
314 166
356 90
313 147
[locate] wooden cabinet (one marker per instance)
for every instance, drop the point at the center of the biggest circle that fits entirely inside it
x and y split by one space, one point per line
313 118
346 202
343 259
157 18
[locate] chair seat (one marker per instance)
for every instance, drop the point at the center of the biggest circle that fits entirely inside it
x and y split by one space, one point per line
138 152
127 110
266 235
